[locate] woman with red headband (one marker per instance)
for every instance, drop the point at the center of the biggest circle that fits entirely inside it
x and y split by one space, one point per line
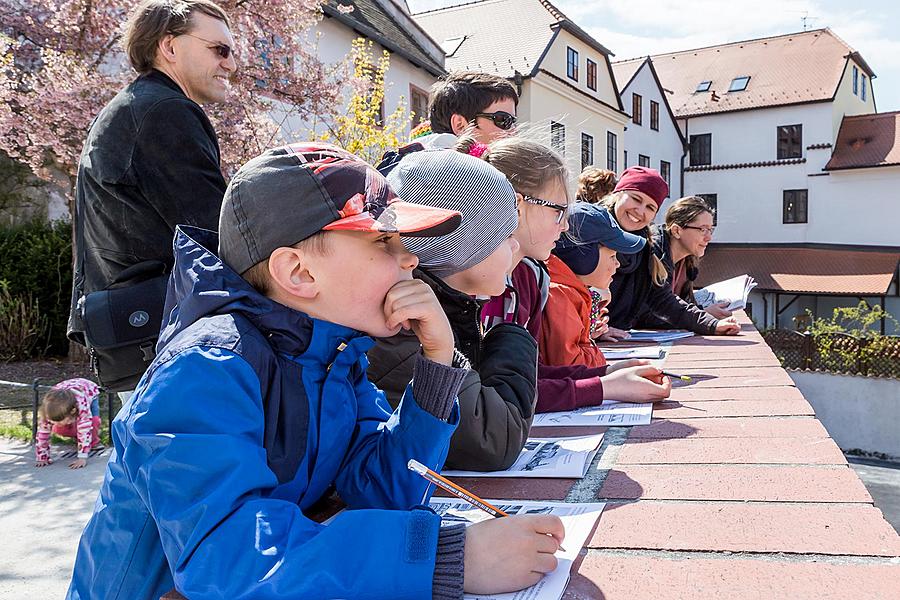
639 285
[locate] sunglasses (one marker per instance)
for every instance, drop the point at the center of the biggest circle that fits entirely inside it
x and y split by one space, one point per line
561 210
223 50
501 118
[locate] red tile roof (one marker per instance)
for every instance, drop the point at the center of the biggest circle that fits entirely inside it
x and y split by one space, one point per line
867 141
803 270
787 69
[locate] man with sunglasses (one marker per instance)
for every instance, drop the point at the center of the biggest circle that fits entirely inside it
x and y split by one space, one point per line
151 158
478 103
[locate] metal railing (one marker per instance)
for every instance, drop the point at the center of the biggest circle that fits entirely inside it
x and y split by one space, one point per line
836 352
34 392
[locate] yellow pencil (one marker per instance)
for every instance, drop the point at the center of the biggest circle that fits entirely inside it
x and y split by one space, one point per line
460 492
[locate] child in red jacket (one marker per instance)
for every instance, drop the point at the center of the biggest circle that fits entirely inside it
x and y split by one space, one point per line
583 258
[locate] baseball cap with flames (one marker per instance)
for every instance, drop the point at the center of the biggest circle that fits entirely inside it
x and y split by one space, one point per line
287 194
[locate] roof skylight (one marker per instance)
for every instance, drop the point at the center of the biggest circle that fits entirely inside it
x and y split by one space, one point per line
739 84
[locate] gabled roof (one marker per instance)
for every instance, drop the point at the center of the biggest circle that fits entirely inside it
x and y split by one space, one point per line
867 141
625 72
805 270
795 68
387 23
503 37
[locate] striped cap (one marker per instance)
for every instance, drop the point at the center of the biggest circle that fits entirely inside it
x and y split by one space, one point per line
451 180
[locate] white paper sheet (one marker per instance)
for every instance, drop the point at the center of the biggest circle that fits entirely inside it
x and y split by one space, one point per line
578 519
657 335
547 457
608 413
649 352
734 291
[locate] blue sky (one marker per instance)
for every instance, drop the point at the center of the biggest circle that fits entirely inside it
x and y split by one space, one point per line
642 27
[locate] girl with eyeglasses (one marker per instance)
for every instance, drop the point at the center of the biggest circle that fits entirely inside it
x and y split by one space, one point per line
680 245
540 179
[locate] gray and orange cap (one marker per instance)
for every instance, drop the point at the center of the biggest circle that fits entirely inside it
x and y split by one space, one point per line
290 193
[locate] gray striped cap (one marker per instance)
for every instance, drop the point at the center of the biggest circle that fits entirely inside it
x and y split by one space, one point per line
451 180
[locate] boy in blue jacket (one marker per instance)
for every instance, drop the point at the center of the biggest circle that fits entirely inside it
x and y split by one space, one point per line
257 405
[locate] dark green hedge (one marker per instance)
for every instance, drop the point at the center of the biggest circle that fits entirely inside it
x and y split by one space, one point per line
36 258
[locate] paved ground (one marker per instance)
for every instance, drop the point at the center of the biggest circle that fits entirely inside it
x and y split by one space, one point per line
42 513
882 479
61 500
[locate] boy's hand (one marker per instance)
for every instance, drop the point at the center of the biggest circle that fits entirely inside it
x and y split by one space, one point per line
78 463
728 326
614 334
42 463
412 304
624 364
511 553
719 310
636 384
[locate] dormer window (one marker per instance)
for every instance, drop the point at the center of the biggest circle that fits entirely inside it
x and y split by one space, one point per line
739 84
703 86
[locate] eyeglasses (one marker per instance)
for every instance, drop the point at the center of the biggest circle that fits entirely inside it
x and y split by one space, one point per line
706 230
501 118
561 209
223 50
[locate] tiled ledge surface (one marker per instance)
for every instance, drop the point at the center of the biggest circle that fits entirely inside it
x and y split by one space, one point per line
734 491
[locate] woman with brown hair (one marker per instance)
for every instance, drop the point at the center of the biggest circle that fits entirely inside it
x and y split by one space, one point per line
682 243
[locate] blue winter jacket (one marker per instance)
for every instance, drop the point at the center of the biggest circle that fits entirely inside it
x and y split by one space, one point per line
248 415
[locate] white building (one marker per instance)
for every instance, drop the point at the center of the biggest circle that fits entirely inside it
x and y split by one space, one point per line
652 138
416 60
568 97
772 125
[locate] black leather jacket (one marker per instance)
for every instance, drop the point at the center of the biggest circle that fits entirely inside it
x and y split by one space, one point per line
150 162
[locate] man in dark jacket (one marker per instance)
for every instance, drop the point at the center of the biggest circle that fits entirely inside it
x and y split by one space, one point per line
151 159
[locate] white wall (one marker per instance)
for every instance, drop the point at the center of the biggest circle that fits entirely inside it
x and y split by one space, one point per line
545 99
556 62
334 43
750 200
664 144
858 412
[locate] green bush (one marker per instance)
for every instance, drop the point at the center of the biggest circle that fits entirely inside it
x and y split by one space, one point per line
23 329
37 262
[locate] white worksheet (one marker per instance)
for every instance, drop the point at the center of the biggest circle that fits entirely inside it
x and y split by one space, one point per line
648 352
608 413
547 457
734 291
578 519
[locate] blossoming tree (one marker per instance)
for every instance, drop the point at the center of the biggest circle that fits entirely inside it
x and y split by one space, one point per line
61 62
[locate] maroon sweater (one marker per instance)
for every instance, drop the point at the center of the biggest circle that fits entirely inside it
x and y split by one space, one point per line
559 388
